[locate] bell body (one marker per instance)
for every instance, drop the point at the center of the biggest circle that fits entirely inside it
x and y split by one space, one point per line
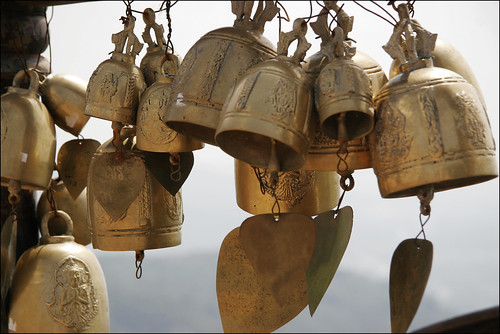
114 90
299 191
64 97
323 150
151 63
76 209
58 287
152 133
272 102
153 220
431 128
205 77
28 138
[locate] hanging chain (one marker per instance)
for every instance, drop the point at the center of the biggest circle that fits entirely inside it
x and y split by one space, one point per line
269 187
51 199
425 195
175 167
169 34
139 257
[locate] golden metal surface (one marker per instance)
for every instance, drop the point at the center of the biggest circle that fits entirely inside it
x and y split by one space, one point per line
299 191
212 66
115 87
245 304
332 237
76 208
410 268
153 219
64 97
279 251
59 287
73 162
28 136
8 256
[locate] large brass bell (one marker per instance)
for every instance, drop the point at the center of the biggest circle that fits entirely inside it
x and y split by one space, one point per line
152 133
268 115
75 208
115 87
58 286
301 191
28 136
212 66
64 97
154 217
431 126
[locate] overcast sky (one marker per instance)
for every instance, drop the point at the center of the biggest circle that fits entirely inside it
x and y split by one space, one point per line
464 222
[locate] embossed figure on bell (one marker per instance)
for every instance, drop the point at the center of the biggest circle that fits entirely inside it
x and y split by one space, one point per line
28 135
431 125
144 215
58 286
213 65
115 87
270 109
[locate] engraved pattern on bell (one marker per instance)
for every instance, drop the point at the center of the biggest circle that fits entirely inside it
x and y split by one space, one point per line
468 121
150 125
427 102
174 205
292 186
73 297
283 98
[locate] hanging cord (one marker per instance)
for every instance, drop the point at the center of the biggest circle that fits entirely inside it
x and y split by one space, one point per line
51 199
425 195
410 4
383 18
287 18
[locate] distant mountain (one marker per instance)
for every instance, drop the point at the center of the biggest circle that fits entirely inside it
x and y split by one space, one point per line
177 294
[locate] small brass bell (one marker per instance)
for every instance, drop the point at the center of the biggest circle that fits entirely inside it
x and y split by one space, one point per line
58 286
153 217
269 110
115 87
155 53
75 208
299 191
431 126
28 136
152 133
213 65
64 97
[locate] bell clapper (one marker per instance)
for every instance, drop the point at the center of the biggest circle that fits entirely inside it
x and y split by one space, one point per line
139 256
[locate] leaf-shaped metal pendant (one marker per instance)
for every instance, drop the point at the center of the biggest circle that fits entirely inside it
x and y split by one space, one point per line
8 249
116 183
279 251
73 162
410 268
332 237
171 176
245 304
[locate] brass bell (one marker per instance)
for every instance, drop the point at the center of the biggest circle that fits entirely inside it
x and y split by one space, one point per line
268 115
152 220
300 191
152 133
343 87
75 208
64 97
115 87
28 136
431 127
58 286
211 67
155 53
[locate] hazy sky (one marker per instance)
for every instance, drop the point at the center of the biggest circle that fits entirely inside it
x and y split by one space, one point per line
464 222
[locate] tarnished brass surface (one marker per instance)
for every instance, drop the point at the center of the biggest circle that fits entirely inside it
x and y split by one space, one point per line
279 251
212 66
152 133
28 136
299 191
75 208
73 162
332 237
245 304
58 287
115 87
153 219
64 97
410 268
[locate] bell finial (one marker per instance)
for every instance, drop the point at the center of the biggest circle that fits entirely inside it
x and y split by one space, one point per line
149 18
243 12
133 46
298 33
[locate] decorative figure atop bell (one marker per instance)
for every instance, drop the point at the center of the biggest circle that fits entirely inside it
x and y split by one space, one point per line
58 286
115 87
268 115
28 136
213 65
431 127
